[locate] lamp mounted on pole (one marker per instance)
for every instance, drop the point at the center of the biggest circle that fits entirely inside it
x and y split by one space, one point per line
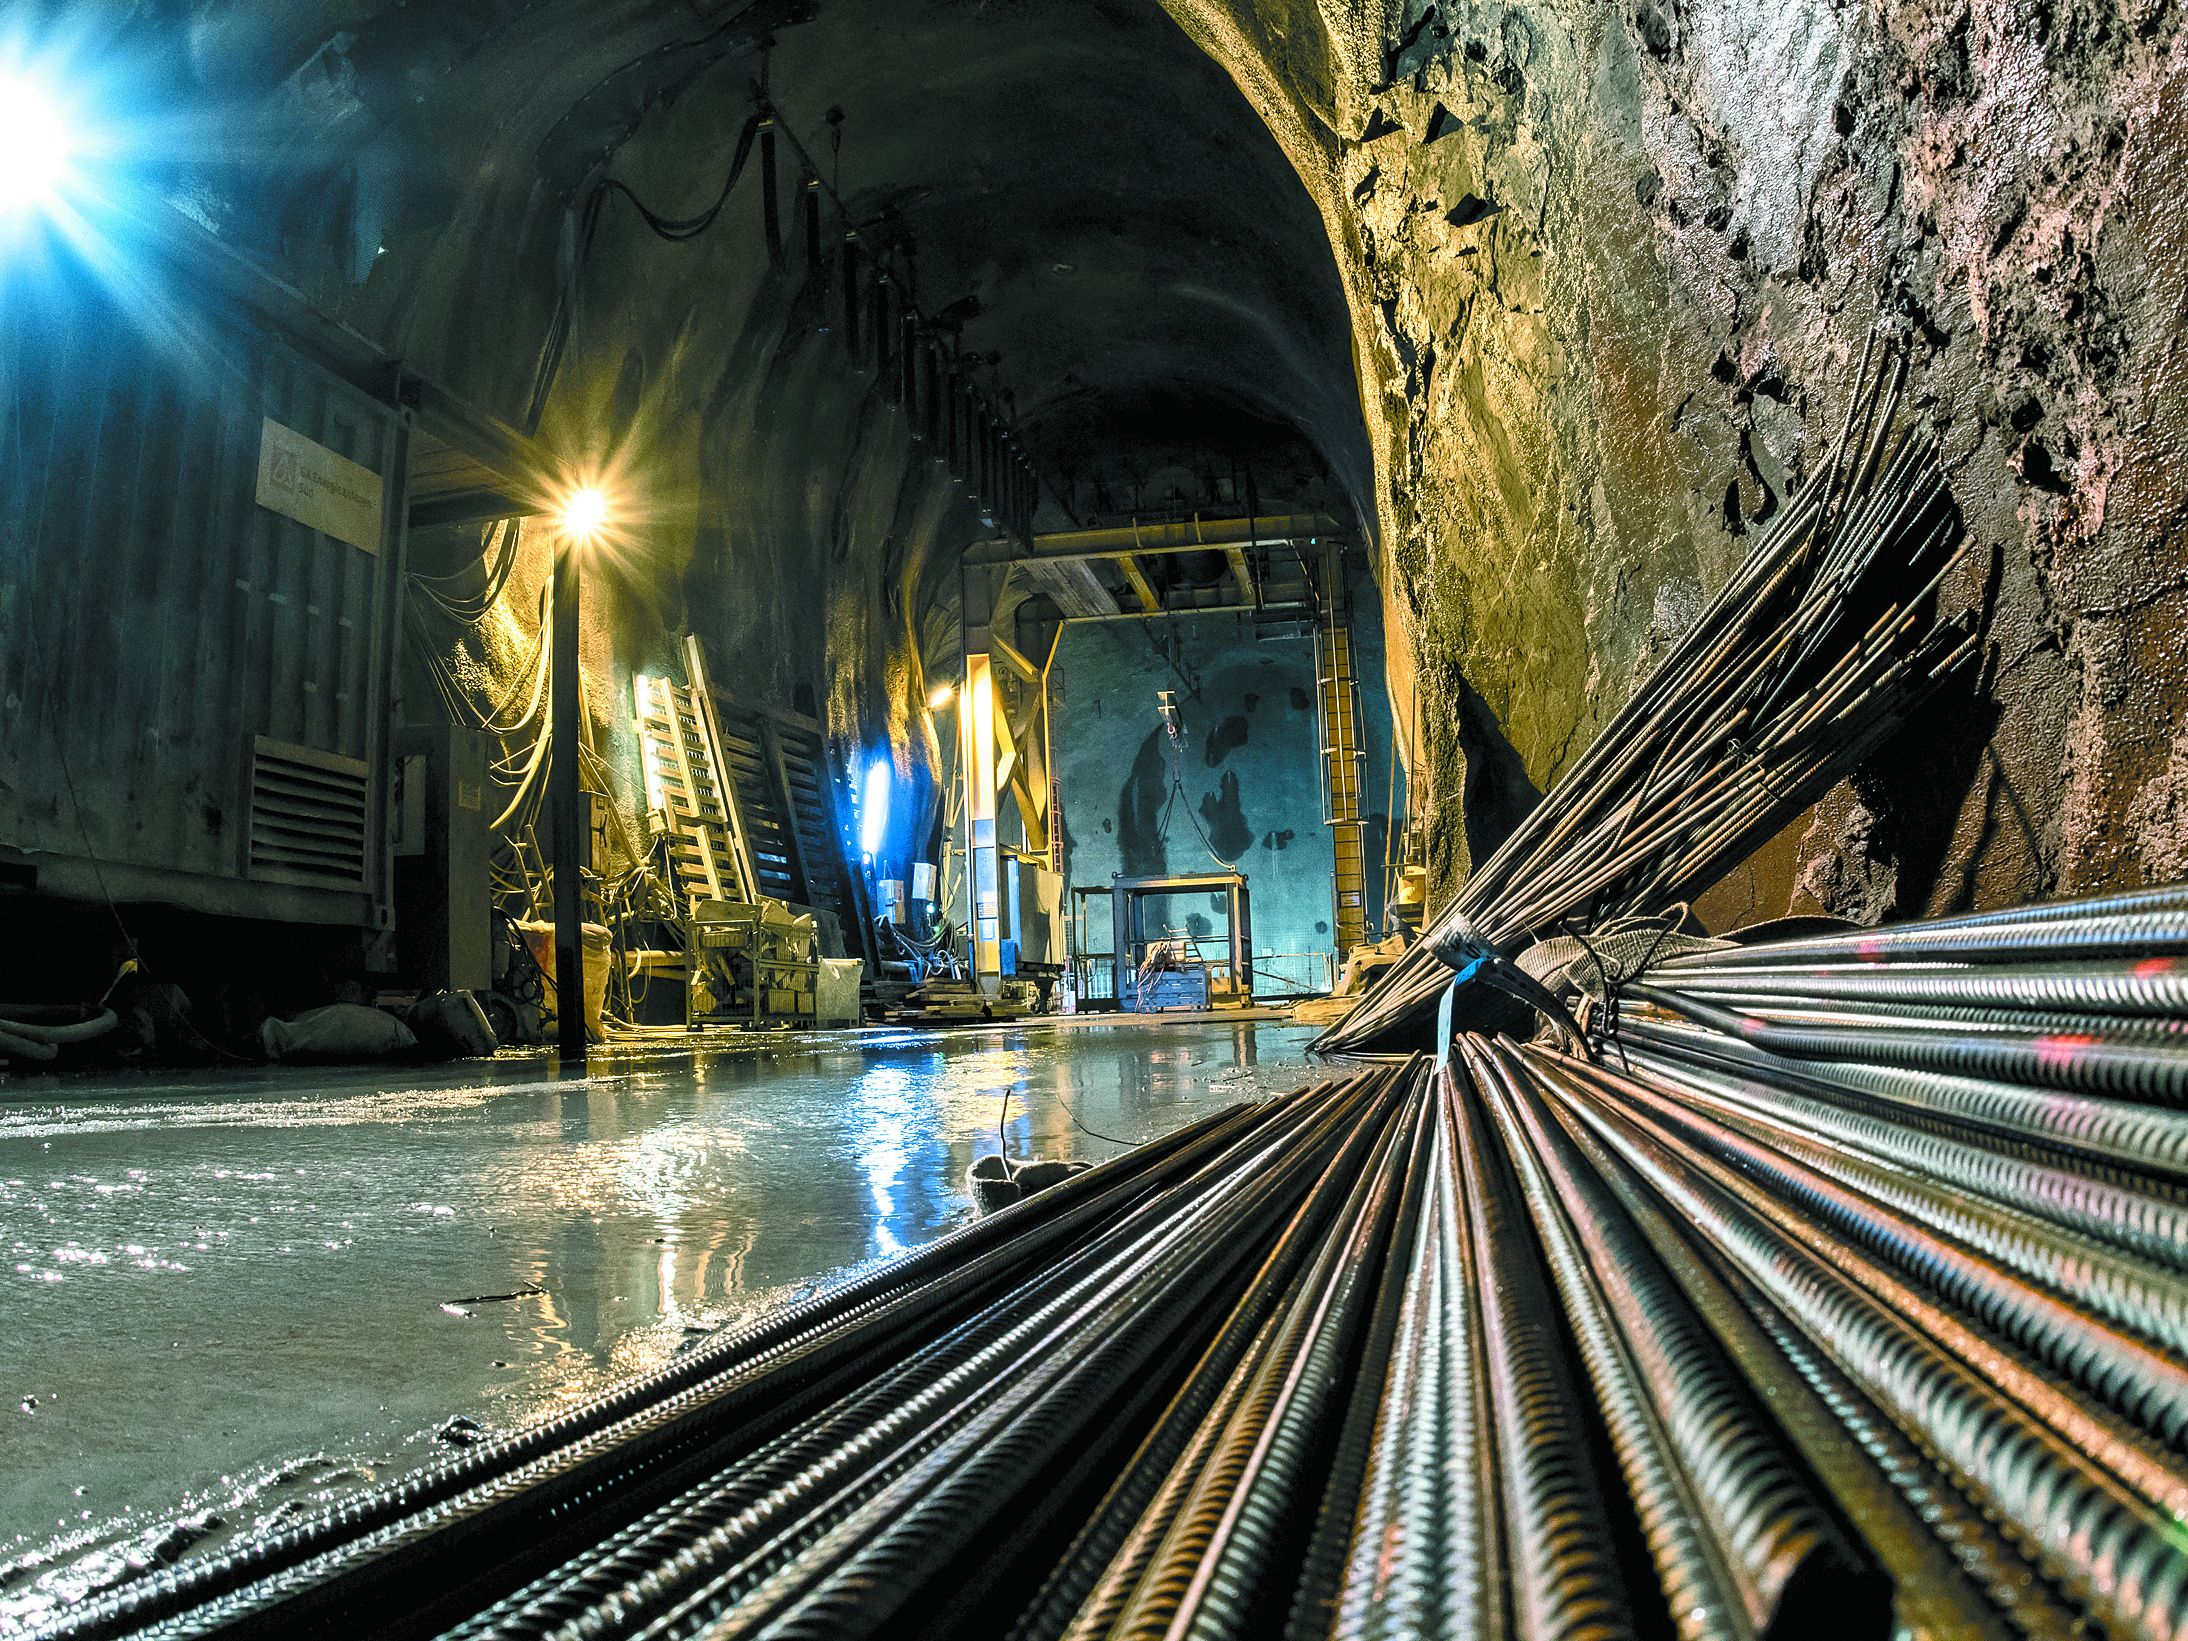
584 514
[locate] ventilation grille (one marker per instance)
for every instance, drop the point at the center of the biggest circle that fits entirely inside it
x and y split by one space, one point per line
308 812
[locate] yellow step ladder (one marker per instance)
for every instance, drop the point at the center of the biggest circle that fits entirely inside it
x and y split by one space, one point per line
1343 764
689 799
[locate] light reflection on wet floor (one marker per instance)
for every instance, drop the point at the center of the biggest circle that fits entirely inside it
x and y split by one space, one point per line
201 1279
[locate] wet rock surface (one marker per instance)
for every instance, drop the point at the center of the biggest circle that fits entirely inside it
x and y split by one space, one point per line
1609 270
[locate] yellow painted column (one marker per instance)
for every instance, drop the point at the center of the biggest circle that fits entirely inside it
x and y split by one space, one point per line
978 720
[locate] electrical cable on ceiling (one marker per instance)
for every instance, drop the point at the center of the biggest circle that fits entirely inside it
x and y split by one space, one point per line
901 275
577 245
472 609
678 229
763 126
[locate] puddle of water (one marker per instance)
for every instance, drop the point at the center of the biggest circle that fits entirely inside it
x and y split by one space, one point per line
203 1279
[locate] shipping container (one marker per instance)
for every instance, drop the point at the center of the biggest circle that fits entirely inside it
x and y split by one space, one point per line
201 545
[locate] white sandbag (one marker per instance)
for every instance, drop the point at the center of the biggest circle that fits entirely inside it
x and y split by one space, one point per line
340 1031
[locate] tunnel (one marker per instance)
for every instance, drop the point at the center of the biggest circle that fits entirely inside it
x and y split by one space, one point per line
979 817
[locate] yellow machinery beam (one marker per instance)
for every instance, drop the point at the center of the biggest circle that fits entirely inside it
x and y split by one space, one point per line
1180 536
1146 594
1343 759
1009 653
1241 572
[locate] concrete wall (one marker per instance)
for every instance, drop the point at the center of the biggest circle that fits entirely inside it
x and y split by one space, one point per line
1249 768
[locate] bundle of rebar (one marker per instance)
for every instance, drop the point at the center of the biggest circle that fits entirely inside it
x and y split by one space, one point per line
1820 646
1877 1324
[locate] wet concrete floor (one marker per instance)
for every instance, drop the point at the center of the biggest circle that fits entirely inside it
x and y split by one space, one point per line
233 1297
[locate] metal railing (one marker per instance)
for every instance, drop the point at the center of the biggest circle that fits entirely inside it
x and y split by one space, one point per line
1304 974
1276 975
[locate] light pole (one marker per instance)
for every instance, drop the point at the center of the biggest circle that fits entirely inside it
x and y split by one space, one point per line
583 514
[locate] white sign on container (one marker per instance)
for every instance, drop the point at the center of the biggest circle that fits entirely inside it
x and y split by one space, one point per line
300 478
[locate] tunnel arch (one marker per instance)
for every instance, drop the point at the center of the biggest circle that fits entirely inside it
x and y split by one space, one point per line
1080 194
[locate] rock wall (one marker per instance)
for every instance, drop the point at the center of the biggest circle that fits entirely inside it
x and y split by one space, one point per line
1609 269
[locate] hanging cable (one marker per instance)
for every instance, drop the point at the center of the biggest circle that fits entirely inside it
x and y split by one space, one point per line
813 224
678 229
851 298
770 194
1174 731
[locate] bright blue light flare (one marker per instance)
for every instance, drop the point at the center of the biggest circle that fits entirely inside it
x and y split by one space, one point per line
35 144
873 808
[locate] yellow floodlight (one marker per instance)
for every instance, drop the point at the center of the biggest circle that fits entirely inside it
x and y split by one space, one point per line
584 513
